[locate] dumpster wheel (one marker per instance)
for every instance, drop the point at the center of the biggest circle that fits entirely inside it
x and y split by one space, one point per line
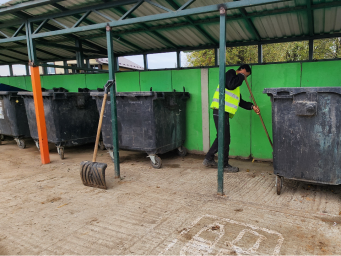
101 145
279 184
182 151
158 162
2 137
61 152
21 143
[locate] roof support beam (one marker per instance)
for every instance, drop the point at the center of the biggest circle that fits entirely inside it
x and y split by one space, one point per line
310 18
157 17
89 22
27 5
201 31
122 11
185 5
250 24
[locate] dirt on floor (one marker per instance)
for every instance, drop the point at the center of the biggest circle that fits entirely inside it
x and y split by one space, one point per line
45 209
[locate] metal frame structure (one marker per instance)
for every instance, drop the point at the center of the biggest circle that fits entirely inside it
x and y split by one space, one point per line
33 31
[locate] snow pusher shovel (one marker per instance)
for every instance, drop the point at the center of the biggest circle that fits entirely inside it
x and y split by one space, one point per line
93 173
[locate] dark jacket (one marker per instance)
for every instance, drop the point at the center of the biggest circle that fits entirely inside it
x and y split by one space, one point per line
232 81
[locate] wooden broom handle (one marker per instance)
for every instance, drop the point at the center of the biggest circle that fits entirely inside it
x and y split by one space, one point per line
260 116
99 126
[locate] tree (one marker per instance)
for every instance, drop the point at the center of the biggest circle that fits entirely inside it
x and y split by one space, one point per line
329 48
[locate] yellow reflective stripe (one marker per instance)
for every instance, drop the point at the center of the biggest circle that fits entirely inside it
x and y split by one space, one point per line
229 94
227 104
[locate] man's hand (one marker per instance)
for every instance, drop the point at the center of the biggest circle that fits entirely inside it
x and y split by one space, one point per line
256 109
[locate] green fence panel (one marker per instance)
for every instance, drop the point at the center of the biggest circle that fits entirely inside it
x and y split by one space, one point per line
17 81
94 81
268 76
70 82
28 83
128 81
239 125
191 80
321 74
4 80
160 81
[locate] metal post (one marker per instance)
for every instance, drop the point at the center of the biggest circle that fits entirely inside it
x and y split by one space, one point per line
216 57
221 128
10 69
311 49
260 53
79 54
66 70
145 61
27 70
45 70
111 67
87 61
178 60
117 65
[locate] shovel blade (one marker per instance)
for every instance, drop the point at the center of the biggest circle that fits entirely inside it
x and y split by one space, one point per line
93 174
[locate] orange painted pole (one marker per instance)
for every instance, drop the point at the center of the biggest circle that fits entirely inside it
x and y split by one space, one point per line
40 115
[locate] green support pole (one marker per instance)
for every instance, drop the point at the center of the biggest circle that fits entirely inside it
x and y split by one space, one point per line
178 60
27 70
260 53
145 62
112 69
222 66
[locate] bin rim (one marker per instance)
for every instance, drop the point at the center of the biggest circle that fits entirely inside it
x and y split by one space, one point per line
52 93
297 90
9 93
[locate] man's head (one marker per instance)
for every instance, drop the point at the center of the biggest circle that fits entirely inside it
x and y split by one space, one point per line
245 69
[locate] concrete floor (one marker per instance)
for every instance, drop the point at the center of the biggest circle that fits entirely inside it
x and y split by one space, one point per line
45 209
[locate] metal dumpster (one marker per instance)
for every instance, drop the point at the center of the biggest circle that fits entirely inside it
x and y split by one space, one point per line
306 124
153 122
71 117
13 119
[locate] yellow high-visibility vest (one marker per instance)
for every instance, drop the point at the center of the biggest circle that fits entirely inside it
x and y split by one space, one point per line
232 99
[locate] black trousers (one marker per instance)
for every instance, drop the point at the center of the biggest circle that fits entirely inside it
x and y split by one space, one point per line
214 148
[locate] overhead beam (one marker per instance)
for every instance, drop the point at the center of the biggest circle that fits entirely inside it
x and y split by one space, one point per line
157 17
310 15
26 5
190 20
250 24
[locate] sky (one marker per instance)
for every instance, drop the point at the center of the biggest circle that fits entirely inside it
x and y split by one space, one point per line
155 61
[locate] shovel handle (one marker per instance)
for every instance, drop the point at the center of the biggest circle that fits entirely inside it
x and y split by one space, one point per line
260 116
99 127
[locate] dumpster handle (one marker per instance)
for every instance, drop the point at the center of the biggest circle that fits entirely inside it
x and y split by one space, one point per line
260 116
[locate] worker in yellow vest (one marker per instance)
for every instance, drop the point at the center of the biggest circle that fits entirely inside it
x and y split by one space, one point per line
233 99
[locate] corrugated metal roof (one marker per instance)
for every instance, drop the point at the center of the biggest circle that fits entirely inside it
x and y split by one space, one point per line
291 20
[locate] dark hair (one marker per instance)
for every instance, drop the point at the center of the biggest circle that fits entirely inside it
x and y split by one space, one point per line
246 67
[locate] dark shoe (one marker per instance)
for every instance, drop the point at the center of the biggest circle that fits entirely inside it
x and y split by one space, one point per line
210 163
230 169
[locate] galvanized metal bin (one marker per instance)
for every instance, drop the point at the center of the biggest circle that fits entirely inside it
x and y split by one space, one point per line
306 125
153 122
13 119
71 117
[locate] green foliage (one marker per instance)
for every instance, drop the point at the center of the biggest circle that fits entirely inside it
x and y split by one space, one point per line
329 48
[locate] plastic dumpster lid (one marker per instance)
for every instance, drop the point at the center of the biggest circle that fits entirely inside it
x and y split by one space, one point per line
290 91
8 92
124 94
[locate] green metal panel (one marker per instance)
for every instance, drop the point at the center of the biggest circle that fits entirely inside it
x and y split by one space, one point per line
16 81
239 125
321 74
69 82
94 81
191 80
128 82
28 83
161 81
268 76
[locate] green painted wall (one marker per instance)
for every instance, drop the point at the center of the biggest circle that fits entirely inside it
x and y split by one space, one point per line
161 81
268 76
239 125
321 74
191 80
247 134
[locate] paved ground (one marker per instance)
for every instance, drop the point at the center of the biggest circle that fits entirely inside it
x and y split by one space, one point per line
173 210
